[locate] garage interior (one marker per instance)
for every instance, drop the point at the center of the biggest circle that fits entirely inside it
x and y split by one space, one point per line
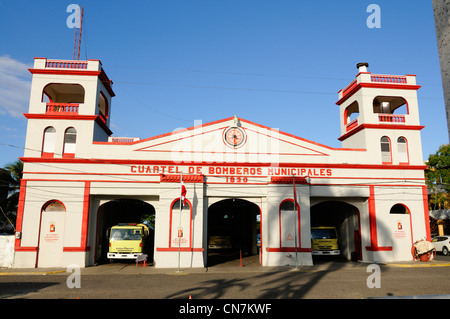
345 218
233 228
123 211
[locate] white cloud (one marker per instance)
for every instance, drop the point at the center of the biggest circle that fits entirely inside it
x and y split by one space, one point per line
15 84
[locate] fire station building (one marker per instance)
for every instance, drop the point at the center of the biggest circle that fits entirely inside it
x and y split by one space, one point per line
240 177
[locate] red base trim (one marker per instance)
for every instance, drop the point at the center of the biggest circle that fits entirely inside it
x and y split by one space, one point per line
288 250
76 249
47 155
378 248
181 249
29 249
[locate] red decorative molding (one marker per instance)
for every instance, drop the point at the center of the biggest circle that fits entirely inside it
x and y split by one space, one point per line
288 180
381 126
66 116
165 178
353 88
234 164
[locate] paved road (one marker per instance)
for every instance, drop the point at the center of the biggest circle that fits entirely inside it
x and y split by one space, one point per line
328 279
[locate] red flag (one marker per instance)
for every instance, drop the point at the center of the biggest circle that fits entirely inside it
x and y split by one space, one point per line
183 192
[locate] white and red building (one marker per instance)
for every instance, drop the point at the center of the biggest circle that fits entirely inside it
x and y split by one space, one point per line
78 180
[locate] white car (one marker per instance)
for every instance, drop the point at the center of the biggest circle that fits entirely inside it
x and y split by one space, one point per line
442 244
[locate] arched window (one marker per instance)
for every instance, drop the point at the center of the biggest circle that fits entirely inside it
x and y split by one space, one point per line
176 206
390 104
52 209
287 205
103 106
399 209
63 93
70 140
48 144
386 157
402 146
351 112
54 206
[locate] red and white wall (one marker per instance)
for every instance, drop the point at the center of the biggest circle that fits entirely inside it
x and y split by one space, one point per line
61 194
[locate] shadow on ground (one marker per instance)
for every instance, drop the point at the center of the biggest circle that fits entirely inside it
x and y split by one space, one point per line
18 289
290 284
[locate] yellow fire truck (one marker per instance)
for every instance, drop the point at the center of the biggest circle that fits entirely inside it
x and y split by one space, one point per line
324 241
127 241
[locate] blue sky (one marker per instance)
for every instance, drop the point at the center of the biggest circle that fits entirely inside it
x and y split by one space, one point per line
277 63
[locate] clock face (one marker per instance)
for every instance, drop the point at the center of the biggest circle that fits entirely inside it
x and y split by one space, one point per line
234 136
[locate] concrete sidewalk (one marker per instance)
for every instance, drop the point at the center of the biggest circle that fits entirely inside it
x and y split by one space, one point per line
131 268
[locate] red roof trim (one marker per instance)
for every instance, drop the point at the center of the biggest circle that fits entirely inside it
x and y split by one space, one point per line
248 122
95 118
376 85
100 74
380 126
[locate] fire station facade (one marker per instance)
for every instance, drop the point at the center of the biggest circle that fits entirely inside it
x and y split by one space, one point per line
78 180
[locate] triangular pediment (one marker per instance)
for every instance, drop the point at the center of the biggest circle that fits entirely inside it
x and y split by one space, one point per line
230 140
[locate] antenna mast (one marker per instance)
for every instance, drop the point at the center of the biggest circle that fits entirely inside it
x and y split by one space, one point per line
77 44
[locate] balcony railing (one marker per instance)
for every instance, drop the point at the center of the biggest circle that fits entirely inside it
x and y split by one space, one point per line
62 108
63 64
123 140
391 118
395 79
378 79
352 124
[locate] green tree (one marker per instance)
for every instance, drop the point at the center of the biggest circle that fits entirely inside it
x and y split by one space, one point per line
10 177
438 177
438 171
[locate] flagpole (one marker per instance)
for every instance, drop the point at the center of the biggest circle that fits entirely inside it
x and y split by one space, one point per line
295 223
179 238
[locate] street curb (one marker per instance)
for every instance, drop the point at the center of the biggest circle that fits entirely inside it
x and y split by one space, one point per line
170 271
25 273
419 265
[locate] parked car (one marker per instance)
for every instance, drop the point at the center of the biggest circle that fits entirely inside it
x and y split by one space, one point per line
442 244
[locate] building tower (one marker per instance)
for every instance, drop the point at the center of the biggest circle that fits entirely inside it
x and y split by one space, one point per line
70 107
380 113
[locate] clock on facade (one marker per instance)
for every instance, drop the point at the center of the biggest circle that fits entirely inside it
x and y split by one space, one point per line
234 136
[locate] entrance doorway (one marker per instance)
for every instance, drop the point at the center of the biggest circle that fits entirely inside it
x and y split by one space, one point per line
123 211
233 231
345 218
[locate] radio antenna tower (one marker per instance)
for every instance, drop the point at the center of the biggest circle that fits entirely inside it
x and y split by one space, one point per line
77 42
